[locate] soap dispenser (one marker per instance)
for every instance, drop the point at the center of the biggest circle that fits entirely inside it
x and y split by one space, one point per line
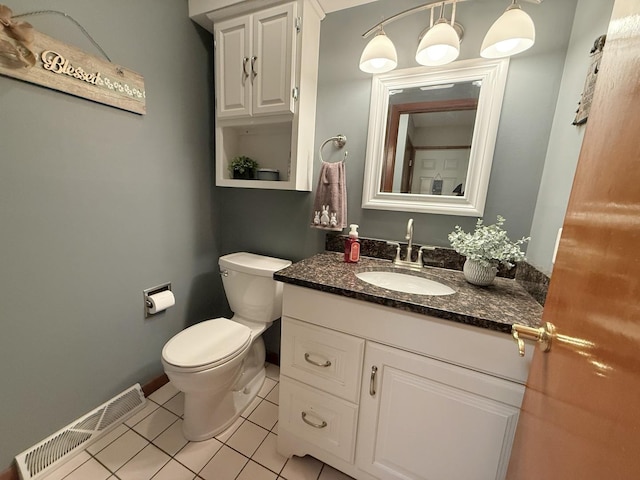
352 245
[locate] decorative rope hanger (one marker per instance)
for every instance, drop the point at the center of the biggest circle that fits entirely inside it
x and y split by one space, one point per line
339 141
82 29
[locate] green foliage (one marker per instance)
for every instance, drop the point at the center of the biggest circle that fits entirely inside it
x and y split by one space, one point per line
241 164
488 244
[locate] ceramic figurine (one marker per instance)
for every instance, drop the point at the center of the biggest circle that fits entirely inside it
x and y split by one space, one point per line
324 219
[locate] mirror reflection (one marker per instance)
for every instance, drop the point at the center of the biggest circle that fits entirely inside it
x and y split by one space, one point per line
428 141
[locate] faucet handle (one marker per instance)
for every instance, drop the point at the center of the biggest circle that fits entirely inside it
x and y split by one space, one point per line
422 249
397 245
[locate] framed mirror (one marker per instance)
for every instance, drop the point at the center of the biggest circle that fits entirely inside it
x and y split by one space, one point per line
431 138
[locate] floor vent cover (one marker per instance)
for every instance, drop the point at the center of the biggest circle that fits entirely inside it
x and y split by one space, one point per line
41 459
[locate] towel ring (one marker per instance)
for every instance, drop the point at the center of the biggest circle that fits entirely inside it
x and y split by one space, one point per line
339 141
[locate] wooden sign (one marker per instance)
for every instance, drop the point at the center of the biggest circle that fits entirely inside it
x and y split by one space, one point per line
70 70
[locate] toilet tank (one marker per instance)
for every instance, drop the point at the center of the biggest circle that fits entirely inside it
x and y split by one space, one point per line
248 282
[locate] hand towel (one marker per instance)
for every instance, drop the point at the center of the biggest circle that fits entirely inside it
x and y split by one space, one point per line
330 205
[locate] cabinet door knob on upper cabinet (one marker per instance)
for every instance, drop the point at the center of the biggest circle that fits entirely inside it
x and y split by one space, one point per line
245 75
254 74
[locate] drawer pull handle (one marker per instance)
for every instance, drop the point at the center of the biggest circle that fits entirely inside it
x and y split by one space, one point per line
372 383
317 364
313 424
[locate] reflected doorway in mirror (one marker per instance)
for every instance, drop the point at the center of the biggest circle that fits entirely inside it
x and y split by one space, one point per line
460 106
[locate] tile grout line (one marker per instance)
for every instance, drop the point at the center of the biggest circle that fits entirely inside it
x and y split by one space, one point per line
173 457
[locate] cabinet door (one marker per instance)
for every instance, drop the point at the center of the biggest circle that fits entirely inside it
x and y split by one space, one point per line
272 62
425 419
233 67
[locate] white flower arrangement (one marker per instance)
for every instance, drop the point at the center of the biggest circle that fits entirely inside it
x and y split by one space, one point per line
488 245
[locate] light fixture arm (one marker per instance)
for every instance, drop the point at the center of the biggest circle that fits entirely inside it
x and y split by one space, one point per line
427 6
408 12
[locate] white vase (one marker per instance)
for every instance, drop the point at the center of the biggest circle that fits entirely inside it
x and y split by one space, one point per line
479 274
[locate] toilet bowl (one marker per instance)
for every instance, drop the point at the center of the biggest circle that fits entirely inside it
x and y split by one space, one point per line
219 363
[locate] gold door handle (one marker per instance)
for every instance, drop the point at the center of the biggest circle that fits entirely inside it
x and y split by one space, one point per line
543 335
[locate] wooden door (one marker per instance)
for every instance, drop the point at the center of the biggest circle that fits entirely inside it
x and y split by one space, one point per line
272 60
407 166
424 419
232 67
581 413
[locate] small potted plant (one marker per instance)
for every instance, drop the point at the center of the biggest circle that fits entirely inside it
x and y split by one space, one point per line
485 249
243 167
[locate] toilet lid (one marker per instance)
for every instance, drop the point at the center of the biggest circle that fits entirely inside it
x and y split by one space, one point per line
206 343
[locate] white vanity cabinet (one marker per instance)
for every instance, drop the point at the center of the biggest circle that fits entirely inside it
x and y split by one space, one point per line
254 64
379 393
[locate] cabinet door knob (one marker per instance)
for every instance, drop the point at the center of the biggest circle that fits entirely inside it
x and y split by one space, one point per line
313 424
245 75
254 74
372 382
326 363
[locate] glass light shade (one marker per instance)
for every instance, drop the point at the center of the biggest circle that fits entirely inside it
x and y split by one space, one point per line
439 46
379 55
512 33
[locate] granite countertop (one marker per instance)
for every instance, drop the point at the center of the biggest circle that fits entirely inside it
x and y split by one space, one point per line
496 307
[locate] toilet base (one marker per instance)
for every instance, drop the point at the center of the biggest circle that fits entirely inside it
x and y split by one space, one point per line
205 416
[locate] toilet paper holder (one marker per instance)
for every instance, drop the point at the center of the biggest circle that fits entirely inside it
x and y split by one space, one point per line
152 291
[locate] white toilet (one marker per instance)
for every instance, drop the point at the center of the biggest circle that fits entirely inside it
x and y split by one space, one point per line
219 363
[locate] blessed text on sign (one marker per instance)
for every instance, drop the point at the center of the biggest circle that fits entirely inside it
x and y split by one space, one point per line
68 69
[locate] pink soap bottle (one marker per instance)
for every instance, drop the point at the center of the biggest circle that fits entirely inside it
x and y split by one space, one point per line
352 245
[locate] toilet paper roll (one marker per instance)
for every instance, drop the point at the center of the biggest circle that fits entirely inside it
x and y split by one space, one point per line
161 301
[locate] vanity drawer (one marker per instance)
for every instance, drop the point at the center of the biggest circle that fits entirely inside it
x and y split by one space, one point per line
321 419
326 359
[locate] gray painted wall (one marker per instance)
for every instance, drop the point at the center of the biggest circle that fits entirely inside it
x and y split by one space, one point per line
97 204
591 20
276 222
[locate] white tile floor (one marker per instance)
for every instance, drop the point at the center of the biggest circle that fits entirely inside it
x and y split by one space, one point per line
150 445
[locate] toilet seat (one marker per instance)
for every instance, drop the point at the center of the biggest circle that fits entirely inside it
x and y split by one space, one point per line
206 345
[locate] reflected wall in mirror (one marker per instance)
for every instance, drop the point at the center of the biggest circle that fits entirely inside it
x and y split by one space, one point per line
431 137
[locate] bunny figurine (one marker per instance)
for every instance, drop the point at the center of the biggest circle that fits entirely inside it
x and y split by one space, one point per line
333 221
316 217
324 219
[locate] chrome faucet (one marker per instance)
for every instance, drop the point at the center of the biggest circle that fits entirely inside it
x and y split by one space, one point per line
409 237
407 263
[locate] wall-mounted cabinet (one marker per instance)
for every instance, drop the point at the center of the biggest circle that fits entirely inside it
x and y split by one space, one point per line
266 68
254 64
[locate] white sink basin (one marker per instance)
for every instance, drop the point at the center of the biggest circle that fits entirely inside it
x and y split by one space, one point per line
402 282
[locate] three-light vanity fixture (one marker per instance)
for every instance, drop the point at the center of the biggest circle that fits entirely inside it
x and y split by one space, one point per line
512 33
